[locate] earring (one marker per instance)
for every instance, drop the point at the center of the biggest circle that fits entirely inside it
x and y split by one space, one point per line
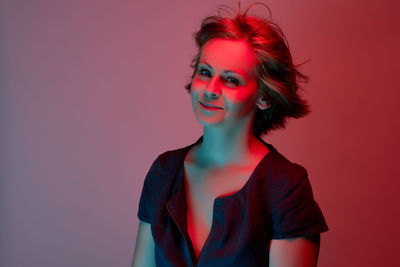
262 104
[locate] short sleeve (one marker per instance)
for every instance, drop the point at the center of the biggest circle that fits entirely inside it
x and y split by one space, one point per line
150 193
294 212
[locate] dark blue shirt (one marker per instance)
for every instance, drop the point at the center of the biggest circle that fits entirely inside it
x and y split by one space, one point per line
275 203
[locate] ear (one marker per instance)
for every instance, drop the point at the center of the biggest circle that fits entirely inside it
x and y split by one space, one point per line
262 103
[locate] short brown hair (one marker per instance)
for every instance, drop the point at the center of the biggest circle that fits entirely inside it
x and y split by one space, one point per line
278 78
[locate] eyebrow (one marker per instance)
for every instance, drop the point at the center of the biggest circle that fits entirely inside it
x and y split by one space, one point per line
240 72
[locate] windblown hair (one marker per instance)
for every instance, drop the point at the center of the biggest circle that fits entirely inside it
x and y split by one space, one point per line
278 78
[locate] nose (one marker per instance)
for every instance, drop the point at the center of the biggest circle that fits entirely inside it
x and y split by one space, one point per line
212 89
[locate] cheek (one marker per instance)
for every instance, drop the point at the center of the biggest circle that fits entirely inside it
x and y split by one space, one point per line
242 95
194 95
194 90
197 83
241 102
197 87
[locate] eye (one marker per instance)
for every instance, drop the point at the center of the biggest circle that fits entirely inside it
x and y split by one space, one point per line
204 72
232 80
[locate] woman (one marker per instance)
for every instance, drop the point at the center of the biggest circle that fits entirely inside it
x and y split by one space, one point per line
230 199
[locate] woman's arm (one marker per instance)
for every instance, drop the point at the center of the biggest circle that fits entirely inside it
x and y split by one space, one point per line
294 252
144 248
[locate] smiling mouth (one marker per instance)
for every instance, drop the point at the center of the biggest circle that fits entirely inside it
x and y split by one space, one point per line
209 106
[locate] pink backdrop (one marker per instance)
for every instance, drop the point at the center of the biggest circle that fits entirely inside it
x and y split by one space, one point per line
92 91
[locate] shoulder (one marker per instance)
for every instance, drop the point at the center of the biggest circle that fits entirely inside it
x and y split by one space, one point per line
282 169
290 202
170 160
162 173
282 178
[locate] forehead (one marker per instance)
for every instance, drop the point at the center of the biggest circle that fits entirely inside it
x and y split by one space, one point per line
229 55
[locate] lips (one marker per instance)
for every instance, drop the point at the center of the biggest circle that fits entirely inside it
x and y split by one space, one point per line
209 106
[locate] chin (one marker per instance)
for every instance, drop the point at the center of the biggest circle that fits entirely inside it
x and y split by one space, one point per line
210 119
207 122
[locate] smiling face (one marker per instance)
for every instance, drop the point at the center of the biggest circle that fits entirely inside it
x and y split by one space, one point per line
225 89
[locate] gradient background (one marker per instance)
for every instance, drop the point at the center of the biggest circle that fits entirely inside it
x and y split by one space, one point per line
92 91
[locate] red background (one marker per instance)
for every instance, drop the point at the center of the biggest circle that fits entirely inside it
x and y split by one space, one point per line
92 91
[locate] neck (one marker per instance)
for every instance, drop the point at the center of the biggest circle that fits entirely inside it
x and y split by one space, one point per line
222 146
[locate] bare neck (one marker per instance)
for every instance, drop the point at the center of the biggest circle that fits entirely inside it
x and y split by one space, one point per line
221 148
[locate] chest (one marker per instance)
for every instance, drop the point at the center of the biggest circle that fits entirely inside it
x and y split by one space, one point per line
202 187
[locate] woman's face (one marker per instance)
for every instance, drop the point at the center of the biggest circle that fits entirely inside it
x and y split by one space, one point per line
225 88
